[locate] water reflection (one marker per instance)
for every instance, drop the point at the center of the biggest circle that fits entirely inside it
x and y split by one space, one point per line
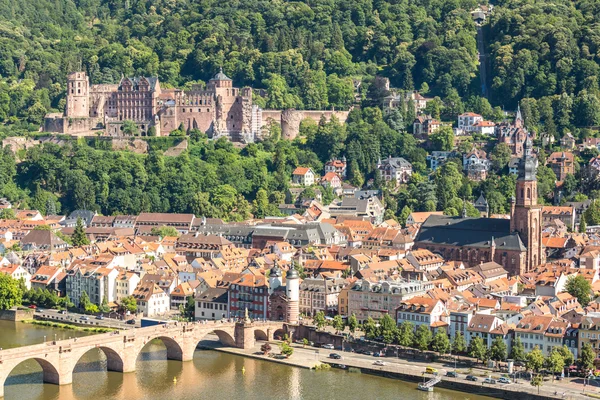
211 375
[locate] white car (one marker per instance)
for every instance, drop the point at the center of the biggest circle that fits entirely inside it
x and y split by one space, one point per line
504 380
328 346
379 363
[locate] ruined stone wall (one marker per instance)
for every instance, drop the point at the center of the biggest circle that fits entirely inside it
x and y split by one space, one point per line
290 119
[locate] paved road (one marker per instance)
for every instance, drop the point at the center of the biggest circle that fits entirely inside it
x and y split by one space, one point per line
92 321
570 388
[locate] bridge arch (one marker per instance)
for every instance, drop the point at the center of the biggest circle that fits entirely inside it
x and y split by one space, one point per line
174 349
261 334
114 360
50 373
225 337
279 334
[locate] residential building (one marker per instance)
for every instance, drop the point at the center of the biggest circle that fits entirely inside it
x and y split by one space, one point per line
146 221
566 214
374 299
151 300
438 158
338 167
396 170
212 304
543 331
331 179
562 163
17 272
303 176
481 325
249 292
125 284
424 125
320 295
467 120
421 310
99 283
476 157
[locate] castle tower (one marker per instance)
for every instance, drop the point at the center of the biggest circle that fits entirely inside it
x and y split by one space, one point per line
275 278
292 288
526 214
78 92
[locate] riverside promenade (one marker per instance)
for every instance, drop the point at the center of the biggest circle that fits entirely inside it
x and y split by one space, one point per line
395 368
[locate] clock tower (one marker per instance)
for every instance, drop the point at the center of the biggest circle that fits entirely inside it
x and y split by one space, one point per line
525 213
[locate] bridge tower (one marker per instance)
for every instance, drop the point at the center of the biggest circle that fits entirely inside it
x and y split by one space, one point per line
292 288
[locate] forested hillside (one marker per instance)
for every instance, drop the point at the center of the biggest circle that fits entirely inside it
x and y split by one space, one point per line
548 53
305 53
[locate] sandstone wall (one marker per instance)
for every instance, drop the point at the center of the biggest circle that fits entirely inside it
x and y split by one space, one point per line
290 119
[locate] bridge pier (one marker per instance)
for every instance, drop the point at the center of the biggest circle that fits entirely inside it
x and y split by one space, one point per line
244 335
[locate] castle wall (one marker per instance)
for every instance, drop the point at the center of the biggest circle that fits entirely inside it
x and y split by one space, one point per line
290 119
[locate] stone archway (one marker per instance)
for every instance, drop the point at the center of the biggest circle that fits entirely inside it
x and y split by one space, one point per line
50 373
114 361
279 334
225 338
260 334
174 350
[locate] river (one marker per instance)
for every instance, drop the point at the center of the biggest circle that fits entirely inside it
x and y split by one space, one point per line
212 375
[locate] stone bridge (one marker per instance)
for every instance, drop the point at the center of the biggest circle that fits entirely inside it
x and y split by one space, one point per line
121 348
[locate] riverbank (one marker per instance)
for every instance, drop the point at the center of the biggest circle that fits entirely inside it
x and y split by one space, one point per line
60 325
309 358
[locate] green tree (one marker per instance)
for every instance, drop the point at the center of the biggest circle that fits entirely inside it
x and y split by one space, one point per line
338 324
443 139
440 342
84 300
534 359
498 350
423 337
517 351
79 237
352 323
319 320
129 128
11 293
586 358
406 334
164 231
459 345
286 349
582 226
370 328
537 381
260 205
104 308
387 328
128 303
500 156
477 349
566 355
555 362
579 287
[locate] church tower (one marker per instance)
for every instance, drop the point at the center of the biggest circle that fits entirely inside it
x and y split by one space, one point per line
78 95
525 213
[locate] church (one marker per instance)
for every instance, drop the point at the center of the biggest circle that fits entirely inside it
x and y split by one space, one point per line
516 244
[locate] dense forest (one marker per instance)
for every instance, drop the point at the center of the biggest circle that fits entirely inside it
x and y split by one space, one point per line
547 53
306 54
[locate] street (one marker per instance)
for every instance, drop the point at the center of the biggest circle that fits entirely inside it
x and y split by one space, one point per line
75 318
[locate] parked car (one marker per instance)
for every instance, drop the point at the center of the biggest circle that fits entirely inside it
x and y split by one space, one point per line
84 318
130 322
490 381
431 370
368 353
452 374
328 346
40 310
33 306
100 317
335 356
504 380
62 311
379 363
472 378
